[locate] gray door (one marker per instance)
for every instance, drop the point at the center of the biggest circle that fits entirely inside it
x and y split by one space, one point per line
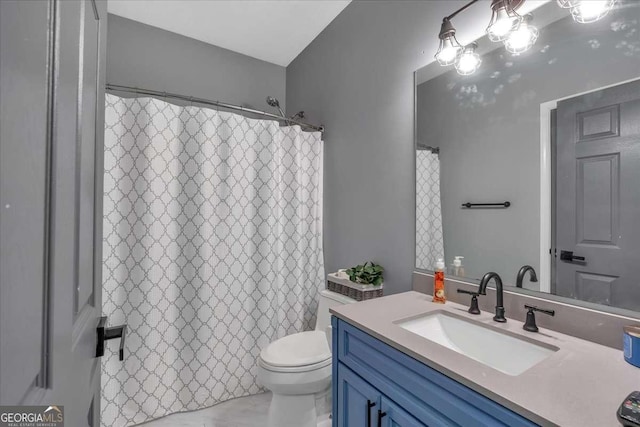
51 114
598 197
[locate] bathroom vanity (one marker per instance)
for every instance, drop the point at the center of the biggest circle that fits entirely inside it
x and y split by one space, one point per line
403 361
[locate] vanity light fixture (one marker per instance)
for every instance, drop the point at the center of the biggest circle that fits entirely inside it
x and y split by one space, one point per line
507 26
504 20
587 11
449 48
523 37
469 61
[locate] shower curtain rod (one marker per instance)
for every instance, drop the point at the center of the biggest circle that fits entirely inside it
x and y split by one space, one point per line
117 88
434 150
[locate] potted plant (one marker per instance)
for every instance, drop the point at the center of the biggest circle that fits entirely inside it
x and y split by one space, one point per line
367 274
361 282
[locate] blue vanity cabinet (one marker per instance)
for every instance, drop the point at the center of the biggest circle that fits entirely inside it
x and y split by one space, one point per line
358 401
376 385
360 404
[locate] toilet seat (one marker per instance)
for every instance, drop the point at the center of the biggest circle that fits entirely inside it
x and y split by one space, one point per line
294 369
295 380
301 352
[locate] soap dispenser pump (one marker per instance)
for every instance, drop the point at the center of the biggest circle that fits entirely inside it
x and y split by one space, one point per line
457 268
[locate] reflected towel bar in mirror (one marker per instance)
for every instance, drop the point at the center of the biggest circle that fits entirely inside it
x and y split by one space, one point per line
486 205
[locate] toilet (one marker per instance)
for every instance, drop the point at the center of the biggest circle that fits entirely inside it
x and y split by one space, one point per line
297 370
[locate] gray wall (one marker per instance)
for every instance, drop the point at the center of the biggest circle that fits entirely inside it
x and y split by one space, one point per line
356 78
489 134
143 56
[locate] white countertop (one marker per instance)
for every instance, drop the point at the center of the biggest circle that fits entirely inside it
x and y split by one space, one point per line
582 384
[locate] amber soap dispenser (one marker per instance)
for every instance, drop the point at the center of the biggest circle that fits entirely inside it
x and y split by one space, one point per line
438 282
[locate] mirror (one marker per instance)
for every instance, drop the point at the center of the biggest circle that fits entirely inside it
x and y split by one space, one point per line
534 159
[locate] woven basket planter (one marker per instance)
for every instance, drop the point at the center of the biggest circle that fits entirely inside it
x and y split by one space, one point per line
357 291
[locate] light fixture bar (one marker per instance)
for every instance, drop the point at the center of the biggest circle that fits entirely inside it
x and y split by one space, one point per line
460 10
450 51
507 26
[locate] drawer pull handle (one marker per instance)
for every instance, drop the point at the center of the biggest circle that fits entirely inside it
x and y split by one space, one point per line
370 405
380 416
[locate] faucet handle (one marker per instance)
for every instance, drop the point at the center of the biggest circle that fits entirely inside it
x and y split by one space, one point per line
473 308
540 310
530 322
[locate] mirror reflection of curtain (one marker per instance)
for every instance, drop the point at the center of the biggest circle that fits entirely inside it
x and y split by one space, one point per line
429 242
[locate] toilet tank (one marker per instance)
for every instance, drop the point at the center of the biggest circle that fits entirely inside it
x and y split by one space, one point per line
329 299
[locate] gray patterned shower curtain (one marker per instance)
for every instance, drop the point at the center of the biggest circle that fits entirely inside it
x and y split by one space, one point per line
212 249
429 240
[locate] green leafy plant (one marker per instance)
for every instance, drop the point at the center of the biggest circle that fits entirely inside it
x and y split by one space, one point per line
367 273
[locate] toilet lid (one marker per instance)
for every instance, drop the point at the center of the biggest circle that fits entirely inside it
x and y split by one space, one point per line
304 348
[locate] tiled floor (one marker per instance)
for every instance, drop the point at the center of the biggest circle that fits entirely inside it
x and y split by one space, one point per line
248 411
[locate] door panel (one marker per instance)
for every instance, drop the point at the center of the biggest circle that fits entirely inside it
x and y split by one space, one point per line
598 123
598 200
85 154
594 287
25 89
358 401
598 196
87 210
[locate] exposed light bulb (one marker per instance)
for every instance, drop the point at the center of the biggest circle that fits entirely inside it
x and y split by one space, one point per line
469 61
586 11
503 21
523 37
448 52
449 48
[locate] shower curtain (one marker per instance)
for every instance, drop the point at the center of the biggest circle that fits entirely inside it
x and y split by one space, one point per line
212 249
429 241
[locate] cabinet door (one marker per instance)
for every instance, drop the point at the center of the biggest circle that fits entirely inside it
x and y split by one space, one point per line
392 415
358 401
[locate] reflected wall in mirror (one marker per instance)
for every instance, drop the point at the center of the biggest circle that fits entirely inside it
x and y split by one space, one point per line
555 132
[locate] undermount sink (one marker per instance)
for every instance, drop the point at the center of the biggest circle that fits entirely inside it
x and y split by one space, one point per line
488 346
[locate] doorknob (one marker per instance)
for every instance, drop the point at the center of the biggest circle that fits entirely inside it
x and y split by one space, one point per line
569 256
105 334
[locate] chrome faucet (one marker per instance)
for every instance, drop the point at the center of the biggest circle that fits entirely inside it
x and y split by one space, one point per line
522 272
499 317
